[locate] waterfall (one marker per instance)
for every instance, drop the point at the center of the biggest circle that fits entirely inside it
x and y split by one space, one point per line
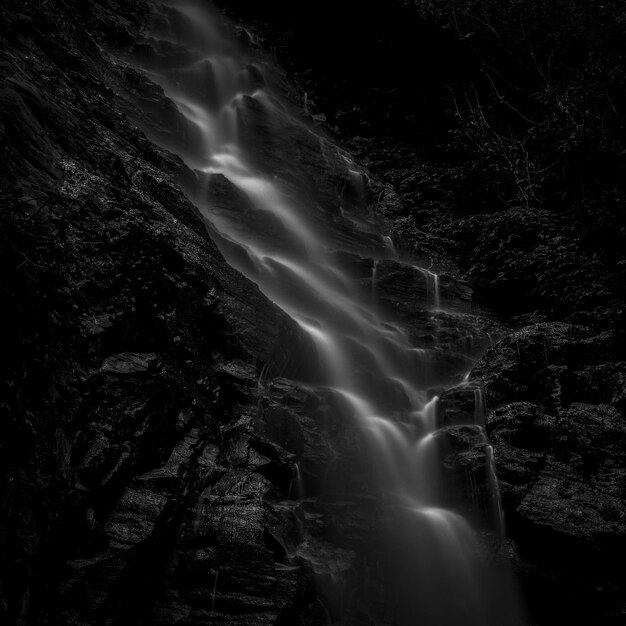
432 287
374 276
494 492
479 407
284 237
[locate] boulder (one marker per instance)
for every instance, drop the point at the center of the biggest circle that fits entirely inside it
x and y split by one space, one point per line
555 418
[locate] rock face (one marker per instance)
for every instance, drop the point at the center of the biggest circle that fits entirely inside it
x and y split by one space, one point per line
552 395
135 375
555 394
159 463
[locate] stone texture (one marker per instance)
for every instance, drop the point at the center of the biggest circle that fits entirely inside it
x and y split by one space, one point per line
157 451
560 458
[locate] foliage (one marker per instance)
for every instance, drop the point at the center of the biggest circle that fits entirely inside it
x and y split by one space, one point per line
542 115
533 164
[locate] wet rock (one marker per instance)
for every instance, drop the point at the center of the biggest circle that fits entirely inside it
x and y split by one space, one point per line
135 485
463 404
522 434
129 363
134 518
555 418
552 429
579 492
151 489
463 458
521 259
97 324
234 207
523 425
524 365
310 424
414 288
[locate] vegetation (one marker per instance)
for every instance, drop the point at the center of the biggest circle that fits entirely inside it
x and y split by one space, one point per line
544 115
537 148
500 125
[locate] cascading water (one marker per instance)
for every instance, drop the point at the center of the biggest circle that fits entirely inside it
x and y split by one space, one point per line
287 245
432 286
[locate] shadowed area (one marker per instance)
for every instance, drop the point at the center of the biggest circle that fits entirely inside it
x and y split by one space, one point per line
287 232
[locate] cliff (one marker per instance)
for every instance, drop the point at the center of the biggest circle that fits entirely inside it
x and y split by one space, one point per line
157 431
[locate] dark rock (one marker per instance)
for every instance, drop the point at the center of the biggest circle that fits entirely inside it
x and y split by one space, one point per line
230 204
135 484
463 404
522 435
413 287
560 458
579 492
97 324
156 453
524 365
462 451
129 363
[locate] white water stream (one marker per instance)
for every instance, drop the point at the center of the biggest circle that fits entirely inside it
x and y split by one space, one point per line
440 577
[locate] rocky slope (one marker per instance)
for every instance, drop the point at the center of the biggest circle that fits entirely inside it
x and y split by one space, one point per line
156 446
136 360
445 110
555 396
